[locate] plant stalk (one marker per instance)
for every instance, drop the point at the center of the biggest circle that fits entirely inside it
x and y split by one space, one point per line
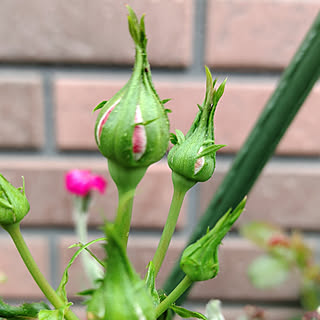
124 213
167 233
173 296
48 291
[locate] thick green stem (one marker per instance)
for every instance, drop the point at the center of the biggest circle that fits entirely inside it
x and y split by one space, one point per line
173 296
181 186
126 180
124 212
48 291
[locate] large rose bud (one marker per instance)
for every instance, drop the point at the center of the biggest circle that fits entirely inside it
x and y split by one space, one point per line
132 128
193 155
14 204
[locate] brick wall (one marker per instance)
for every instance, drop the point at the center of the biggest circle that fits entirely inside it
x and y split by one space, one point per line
59 59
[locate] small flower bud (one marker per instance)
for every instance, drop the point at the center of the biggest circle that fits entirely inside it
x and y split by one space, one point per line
199 261
132 128
14 204
193 155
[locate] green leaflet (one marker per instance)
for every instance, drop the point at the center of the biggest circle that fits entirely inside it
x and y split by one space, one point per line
150 284
100 105
210 150
185 313
25 311
57 314
61 291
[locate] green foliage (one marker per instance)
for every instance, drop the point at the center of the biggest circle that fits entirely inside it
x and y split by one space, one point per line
57 314
150 284
285 254
185 313
25 311
123 292
267 272
65 277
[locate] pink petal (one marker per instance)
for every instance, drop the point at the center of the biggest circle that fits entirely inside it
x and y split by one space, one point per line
139 139
98 183
81 182
103 120
199 162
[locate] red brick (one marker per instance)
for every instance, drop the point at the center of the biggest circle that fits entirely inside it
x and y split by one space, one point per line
19 284
21 110
238 110
51 205
256 34
286 195
63 32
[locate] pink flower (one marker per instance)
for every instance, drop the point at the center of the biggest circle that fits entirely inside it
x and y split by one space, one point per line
81 182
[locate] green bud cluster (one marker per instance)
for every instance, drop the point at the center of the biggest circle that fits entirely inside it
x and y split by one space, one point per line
199 261
132 128
193 155
14 204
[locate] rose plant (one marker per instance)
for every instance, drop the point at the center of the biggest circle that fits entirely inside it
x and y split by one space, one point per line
132 132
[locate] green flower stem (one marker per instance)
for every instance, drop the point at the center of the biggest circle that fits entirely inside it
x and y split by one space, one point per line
181 186
173 296
48 291
80 217
124 213
126 180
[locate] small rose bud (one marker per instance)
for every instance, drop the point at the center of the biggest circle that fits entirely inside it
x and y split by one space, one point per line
193 156
199 261
14 204
132 128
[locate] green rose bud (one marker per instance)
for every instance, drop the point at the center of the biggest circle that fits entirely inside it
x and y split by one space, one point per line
132 128
193 155
125 293
14 204
199 261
